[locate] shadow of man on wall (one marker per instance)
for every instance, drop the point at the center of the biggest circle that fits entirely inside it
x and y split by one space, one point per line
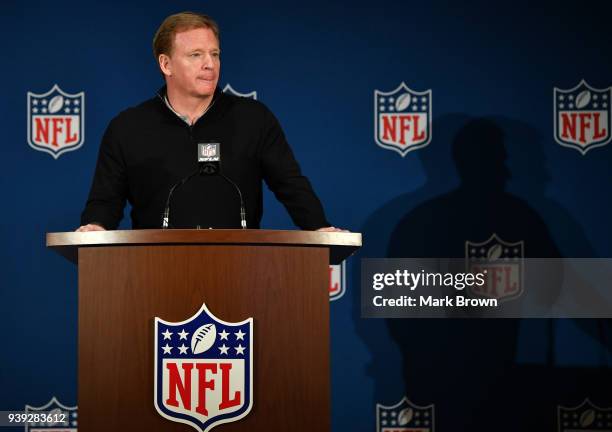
468 368
467 364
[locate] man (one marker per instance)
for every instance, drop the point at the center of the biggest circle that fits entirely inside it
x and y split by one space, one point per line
149 148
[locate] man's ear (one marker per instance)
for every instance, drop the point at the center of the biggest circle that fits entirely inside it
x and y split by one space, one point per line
164 64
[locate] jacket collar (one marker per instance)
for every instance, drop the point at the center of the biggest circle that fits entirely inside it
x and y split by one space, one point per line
162 96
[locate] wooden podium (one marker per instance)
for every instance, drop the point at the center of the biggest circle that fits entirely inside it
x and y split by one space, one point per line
280 278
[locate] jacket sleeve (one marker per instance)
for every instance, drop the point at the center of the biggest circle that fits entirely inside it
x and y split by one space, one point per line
109 187
283 176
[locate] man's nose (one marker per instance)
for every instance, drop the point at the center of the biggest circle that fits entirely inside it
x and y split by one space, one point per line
208 62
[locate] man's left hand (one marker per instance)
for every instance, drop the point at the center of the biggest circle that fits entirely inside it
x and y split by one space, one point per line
332 229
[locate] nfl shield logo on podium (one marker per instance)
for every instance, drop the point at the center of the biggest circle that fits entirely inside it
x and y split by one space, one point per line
203 370
56 121
402 119
582 117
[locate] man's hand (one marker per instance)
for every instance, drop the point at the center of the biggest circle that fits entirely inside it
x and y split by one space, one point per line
90 227
332 229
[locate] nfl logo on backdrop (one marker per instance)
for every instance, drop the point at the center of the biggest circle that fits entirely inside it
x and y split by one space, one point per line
64 418
502 262
229 90
404 417
337 281
402 119
585 417
582 117
203 370
56 121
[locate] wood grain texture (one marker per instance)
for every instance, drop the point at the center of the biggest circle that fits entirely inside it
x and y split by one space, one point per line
340 245
284 289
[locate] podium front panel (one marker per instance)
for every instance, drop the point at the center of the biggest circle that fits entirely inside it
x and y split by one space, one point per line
284 289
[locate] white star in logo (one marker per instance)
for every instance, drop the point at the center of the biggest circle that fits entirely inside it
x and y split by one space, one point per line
34 110
67 101
167 348
76 110
183 349
167 334
183 334
76 102
239 349
66 110
35 102
223 349
44 110
240 335
44 101
223 335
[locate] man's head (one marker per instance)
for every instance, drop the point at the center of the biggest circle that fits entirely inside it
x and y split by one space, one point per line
186 46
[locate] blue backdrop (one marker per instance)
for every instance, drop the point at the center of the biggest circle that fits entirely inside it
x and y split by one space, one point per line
493 166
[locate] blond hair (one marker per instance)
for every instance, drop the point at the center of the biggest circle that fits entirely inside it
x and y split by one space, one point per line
164 37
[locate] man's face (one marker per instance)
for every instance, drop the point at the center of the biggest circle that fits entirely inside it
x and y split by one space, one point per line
193 67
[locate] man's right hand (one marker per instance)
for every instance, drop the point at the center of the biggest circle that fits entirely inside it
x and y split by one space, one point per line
90 227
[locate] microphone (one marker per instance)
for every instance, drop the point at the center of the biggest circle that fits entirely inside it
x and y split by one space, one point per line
209 163
209 158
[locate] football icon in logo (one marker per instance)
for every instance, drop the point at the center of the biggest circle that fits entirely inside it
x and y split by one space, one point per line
203 338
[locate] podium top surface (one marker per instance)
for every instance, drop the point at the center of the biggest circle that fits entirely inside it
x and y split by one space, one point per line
341 245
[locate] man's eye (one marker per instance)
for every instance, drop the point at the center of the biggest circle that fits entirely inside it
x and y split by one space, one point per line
195 55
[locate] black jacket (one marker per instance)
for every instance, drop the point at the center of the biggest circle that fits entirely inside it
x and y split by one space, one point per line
147 149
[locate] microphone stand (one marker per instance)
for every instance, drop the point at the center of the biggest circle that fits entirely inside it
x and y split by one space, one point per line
204 169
